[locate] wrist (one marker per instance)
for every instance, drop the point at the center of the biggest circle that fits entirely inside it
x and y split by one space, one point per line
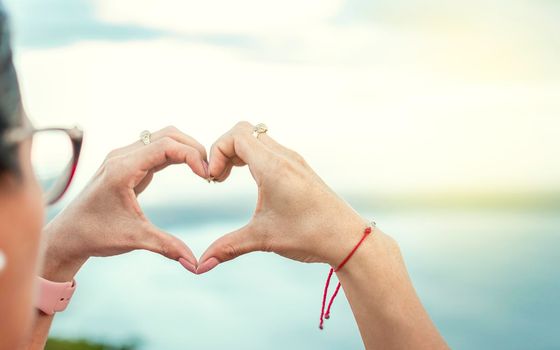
345 234
378 258
60 264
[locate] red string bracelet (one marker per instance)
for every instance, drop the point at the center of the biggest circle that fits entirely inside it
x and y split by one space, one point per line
326 315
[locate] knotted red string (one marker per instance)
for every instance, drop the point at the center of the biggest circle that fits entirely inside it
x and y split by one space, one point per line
326 315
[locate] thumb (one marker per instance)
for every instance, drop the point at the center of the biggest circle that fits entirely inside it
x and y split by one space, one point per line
228 247
171 247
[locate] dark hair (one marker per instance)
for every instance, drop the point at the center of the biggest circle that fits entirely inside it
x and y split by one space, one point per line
10 98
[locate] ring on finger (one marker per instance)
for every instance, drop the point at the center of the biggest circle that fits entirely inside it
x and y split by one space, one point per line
146 137
259 129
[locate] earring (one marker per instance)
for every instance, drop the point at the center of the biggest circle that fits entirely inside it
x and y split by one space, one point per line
2 260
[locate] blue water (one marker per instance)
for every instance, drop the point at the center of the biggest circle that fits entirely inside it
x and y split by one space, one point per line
488 279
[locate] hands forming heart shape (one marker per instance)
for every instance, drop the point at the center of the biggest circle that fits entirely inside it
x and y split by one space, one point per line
297 215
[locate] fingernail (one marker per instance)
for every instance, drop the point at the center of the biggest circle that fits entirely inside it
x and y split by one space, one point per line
205 166
187 265
207 266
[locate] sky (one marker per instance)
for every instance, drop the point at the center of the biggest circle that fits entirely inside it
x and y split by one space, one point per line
394 97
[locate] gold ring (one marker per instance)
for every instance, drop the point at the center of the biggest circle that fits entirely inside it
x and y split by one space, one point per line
260 128
146 137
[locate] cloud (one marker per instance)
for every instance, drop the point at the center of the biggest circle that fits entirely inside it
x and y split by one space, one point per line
475 40
243 17
410 105
363 128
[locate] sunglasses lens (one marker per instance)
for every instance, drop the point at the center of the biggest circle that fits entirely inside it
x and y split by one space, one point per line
51 156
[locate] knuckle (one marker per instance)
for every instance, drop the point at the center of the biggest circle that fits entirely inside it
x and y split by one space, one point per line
165 142
202 151
173 247
164 249
213 147
297 157
191 154
236 161
112 168
243 126
285 169
283 165
242 123
169 248
113 153
113 163
217 145
170 129
230 251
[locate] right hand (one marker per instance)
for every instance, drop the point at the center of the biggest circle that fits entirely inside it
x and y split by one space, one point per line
106 218
297 215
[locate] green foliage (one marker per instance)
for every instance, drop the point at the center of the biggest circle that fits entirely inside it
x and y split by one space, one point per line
82 344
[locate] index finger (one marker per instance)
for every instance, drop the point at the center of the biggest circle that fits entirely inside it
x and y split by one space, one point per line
239 144
159 154
171 132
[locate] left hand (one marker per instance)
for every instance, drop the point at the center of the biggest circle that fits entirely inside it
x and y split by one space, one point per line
297 215
106 219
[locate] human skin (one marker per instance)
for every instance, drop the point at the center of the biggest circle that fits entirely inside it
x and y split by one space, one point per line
299 217
104 220
21 220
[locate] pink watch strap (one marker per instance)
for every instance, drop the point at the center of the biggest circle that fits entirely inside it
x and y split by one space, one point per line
54 296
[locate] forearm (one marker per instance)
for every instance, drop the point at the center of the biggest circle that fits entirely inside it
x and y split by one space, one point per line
388 311
57 268
40 332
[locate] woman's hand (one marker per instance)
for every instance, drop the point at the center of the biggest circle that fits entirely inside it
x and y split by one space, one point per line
105 219
297 215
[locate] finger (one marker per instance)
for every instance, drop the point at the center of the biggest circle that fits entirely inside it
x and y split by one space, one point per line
279 148
181 137
225 174
171 247
160 154
239 146
266 139
144 183
228 247
171 132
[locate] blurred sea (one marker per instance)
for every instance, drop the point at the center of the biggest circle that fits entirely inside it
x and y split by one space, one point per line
488 277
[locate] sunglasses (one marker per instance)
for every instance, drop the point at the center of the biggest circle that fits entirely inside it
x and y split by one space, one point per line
54 156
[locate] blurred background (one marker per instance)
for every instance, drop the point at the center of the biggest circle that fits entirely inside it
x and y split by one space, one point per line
441 120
